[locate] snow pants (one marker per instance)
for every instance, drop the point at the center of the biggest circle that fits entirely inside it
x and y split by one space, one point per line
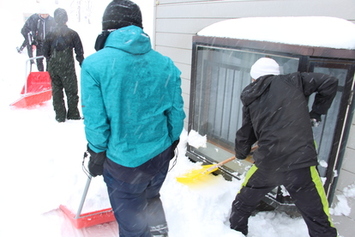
305 188
39 52
63 77
134 195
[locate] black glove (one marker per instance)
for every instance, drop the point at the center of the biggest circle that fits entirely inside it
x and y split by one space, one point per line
174 145
315 118
96 161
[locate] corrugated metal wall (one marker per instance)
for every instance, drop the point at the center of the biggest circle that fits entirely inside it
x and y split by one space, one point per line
176 21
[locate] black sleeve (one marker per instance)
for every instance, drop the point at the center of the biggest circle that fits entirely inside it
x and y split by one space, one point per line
47 46
324 86
245 136
29 27
78 48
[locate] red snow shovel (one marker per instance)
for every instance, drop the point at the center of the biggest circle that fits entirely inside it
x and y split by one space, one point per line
37 89
80 220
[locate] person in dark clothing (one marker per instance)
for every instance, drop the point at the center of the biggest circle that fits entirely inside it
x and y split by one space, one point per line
276 116
58 49
35 31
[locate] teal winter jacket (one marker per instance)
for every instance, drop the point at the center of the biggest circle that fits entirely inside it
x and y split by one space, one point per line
131 98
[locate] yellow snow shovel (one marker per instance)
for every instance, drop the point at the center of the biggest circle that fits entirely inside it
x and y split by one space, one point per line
198 174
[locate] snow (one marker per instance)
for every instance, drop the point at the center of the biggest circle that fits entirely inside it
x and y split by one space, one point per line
317 31
196 140
341 206
41 168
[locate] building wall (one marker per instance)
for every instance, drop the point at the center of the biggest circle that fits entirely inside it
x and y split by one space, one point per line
346 223
176 21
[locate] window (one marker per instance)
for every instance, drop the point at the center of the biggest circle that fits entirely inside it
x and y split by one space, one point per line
324 137
221 75
220 71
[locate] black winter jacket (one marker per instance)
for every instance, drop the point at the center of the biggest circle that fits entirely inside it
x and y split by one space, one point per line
61 41
276 115
38 29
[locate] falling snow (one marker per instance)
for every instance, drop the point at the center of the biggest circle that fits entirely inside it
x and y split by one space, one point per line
41 167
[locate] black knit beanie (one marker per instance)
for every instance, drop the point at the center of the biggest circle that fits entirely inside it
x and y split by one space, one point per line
121 13
60 16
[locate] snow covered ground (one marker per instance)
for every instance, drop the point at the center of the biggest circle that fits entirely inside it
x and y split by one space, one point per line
41 168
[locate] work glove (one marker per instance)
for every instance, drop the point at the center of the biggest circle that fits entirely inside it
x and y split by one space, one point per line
96 161
315 118
175 143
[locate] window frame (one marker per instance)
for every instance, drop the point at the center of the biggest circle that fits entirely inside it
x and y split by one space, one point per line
308 58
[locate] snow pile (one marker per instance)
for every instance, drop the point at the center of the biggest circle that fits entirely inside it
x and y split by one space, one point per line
341 206
329 32
196 140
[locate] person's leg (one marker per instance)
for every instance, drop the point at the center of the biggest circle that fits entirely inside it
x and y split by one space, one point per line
256 185
57 97
39 52
134 195
71 90
128 204
155 211
306 189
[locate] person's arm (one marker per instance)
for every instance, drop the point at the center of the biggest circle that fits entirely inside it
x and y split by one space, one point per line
176 114
27 29
324 86
97 126
47 47
245 137
78 48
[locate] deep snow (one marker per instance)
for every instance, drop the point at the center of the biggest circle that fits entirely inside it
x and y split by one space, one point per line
41 167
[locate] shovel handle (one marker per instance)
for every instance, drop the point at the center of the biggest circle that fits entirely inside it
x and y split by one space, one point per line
216 166
230 159
78 213
225 161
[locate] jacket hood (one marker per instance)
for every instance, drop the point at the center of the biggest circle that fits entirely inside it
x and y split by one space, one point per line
130 39
256 89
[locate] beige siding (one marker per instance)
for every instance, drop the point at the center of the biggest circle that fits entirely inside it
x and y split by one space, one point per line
177 21
232 9
346 178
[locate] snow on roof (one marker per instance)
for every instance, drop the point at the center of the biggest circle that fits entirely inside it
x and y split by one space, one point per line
317 31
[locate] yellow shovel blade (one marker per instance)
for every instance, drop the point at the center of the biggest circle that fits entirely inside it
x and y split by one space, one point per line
198 174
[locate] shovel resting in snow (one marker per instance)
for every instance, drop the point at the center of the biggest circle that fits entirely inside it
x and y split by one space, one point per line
81 220
195 175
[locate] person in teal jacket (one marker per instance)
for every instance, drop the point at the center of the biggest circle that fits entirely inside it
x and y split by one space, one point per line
133 116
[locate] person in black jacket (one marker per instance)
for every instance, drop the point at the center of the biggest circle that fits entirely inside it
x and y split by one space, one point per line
58 49
35 31
276 116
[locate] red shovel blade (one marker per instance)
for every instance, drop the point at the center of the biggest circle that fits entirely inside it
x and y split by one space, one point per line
89 218
37 90
29 100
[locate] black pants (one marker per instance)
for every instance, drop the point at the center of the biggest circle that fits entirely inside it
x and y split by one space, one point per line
70 86
39 52
134 195
64 79
305 188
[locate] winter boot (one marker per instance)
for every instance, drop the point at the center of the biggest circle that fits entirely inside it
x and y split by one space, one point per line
74 115
60 119
159 230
